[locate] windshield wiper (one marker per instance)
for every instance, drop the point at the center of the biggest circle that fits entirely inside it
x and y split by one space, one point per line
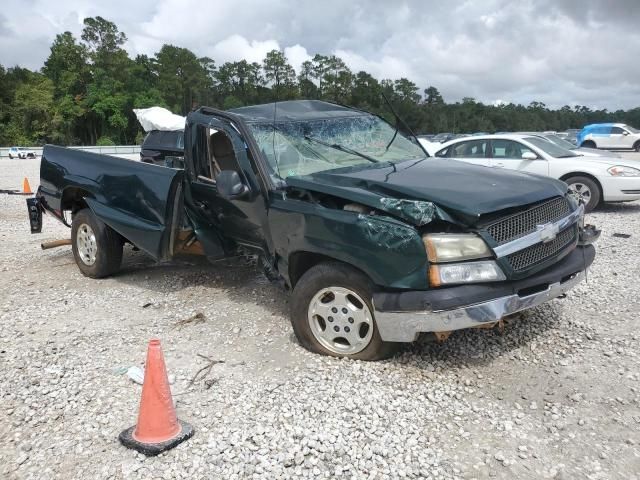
341 148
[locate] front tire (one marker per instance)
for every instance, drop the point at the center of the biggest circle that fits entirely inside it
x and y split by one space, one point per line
637 147
97 248
585 190
589 144
332 314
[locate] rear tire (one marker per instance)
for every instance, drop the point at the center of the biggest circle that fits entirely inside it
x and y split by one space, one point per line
314 324
97 248
585 190
589 144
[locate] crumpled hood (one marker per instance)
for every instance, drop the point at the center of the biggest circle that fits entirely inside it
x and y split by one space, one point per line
420 191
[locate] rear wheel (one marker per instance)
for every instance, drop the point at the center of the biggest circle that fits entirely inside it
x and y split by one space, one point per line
585 190
10 157
97 248
332 314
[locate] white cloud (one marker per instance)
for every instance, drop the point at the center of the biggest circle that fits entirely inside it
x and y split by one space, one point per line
236 47
297 55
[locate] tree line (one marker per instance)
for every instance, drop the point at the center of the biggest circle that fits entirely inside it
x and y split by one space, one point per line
86 91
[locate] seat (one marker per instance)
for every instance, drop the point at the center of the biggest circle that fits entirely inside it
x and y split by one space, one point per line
512 151
222 150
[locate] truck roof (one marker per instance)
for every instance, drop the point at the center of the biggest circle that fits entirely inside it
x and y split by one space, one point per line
295 111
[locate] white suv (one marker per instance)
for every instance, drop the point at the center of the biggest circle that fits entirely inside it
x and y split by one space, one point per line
21 152
609 135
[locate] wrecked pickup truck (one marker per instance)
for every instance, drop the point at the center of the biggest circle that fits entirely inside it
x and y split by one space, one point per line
377 241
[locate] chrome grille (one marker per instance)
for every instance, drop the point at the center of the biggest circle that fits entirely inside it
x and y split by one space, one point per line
523 223
539 252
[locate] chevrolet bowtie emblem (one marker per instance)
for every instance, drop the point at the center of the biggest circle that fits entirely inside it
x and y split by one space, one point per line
548 231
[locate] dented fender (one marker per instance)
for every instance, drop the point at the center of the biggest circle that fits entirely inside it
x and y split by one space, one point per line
389 251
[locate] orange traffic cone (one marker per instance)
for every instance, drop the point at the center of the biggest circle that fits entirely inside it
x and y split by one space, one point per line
26 188
158 429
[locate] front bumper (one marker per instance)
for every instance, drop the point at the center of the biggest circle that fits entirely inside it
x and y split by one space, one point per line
620 189
401 316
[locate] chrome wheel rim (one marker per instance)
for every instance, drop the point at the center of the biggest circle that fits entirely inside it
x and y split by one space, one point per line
340 320
580 192
86 244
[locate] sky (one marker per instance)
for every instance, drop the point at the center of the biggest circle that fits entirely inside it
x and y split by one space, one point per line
560 52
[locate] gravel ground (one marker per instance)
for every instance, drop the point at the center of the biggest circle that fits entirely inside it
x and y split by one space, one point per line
556 395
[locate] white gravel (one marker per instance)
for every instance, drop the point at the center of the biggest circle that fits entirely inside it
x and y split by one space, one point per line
555 396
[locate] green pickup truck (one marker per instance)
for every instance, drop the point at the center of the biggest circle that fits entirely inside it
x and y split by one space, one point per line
377 241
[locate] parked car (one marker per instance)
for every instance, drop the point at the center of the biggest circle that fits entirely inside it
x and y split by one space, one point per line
377 242
21 152
585 152
161 146
591 180
572 136
428 144
610 135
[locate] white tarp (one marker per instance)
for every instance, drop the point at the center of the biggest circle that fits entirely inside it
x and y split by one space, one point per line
158 118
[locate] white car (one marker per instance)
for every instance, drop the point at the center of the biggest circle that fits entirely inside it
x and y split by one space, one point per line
591 180
584 151
20 152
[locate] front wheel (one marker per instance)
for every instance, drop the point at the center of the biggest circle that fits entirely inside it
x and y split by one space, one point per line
97 248
637 147
332 314
585 190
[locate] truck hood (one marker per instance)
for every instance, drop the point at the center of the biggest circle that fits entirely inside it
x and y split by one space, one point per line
423 190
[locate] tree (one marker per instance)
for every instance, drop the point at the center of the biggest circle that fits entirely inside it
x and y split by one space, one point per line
182 78
102 36
32 109
308 89
279 74
366 92
432 96
67 69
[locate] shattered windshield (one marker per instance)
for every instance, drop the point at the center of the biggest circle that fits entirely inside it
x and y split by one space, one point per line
306 147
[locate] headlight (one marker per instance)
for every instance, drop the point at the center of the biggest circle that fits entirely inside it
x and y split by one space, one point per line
471 272
448 247
621 171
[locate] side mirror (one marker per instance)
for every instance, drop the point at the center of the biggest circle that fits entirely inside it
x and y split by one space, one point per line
625 133
230 185
529 156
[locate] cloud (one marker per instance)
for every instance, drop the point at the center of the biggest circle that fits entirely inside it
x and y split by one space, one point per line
569 52
297 55
236 47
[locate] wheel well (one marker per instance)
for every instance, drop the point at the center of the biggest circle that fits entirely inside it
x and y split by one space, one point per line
588 143
73 199
300 262
637 144
567 176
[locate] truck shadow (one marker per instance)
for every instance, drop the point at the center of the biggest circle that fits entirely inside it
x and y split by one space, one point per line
242 281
